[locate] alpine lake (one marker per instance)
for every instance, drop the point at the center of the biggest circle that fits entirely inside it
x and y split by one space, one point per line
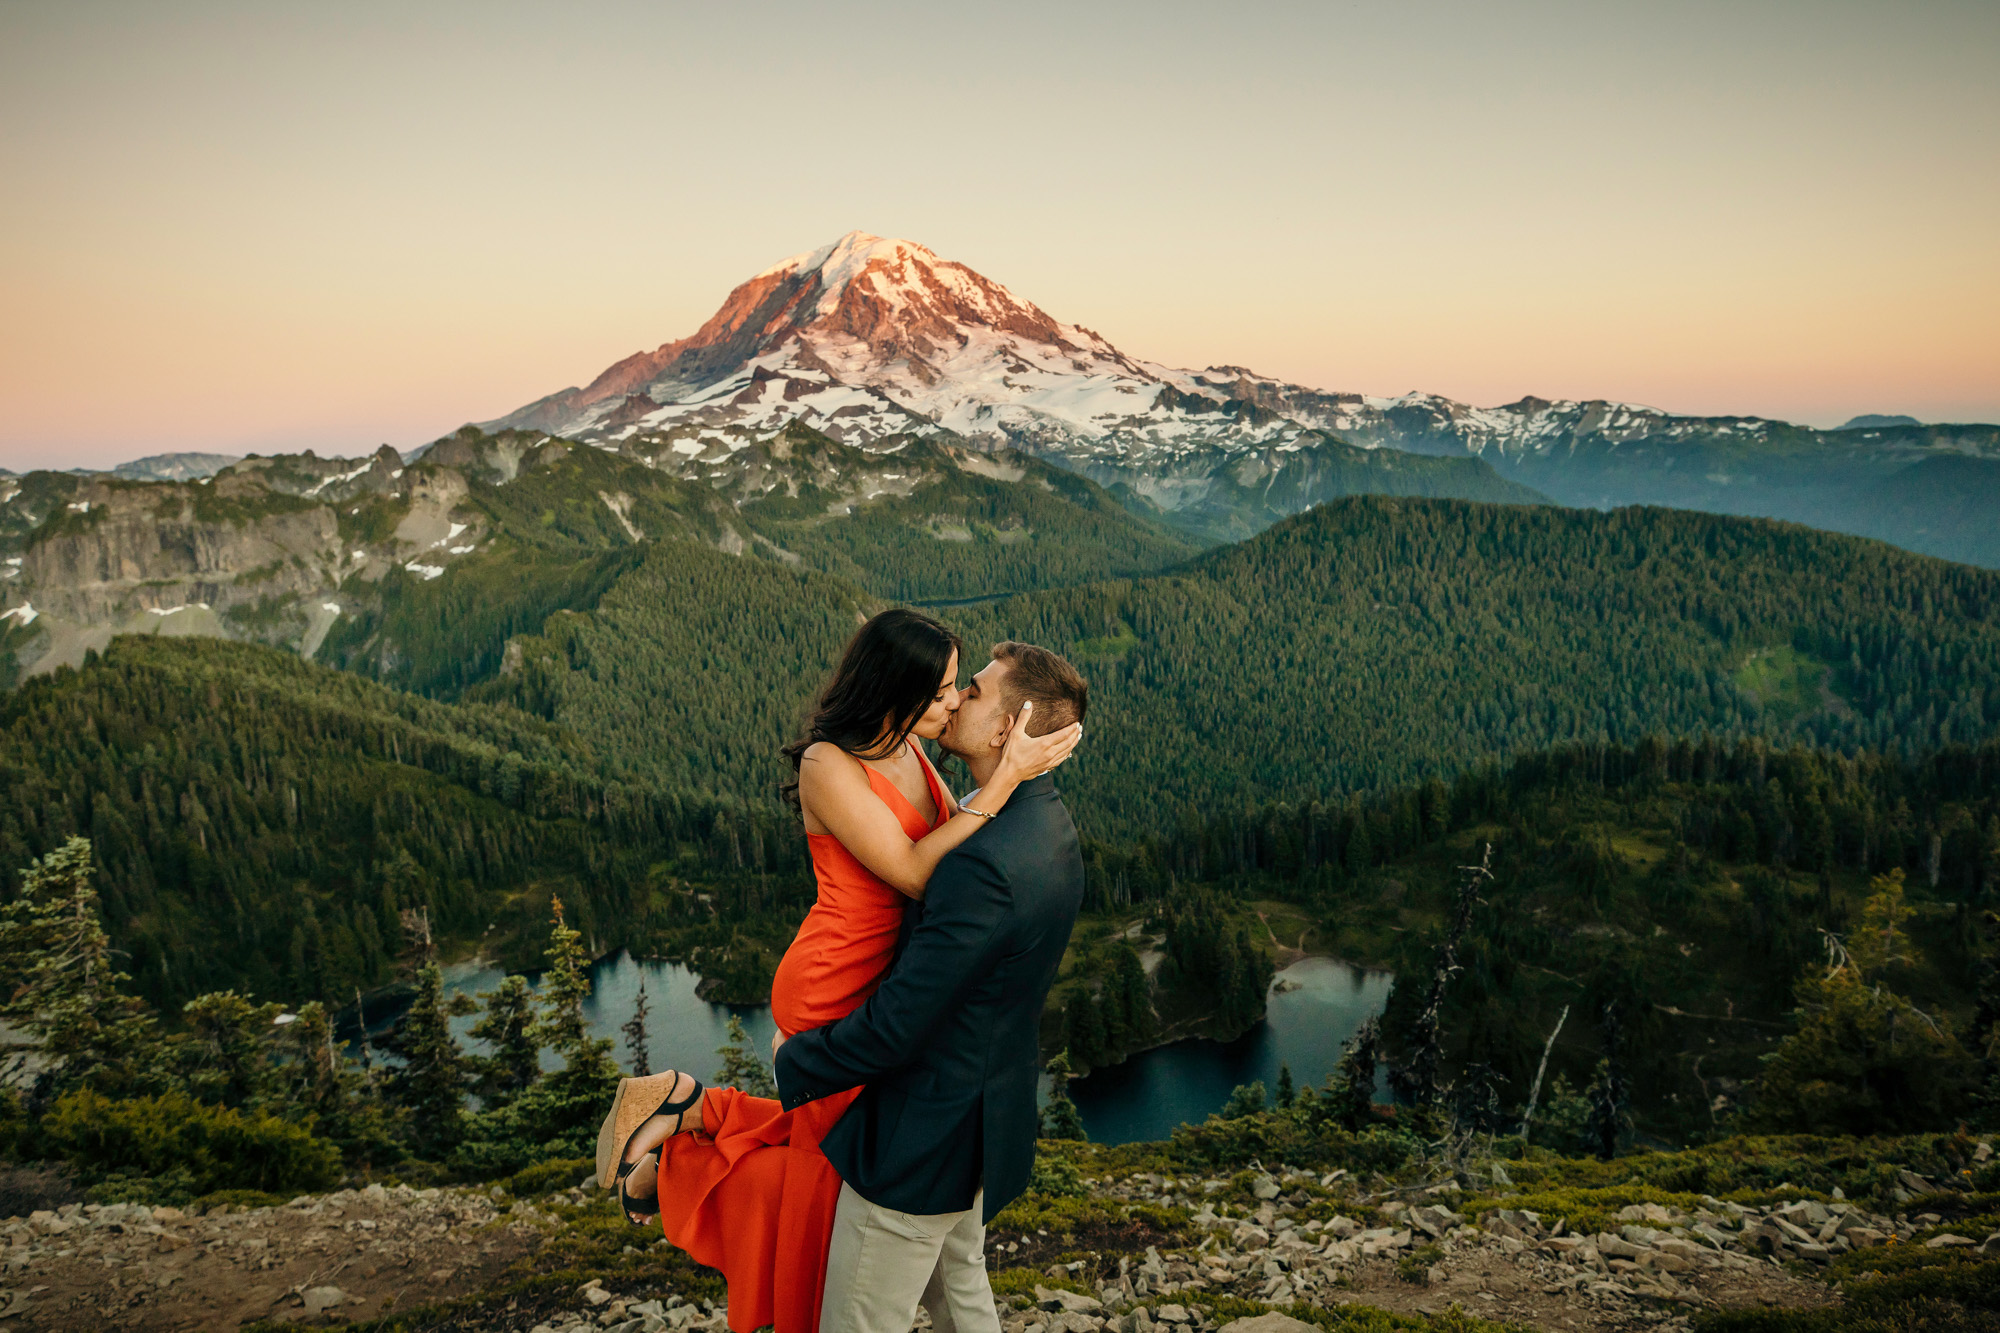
1313 1007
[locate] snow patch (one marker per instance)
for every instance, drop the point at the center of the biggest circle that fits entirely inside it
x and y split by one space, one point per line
324 482
334 607
26 611
176 610
426 571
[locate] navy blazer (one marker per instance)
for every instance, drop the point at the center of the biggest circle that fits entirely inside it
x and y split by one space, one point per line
947 1050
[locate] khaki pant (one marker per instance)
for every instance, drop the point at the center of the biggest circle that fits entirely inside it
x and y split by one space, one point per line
882 1264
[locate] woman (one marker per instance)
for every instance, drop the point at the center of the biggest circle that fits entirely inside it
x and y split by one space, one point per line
740 1184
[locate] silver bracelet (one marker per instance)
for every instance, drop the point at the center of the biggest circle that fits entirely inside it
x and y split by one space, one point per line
968 810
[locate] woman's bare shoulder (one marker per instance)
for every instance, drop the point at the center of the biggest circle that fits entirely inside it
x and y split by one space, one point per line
823 761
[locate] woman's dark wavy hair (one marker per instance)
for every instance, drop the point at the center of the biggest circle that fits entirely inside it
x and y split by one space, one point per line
891 669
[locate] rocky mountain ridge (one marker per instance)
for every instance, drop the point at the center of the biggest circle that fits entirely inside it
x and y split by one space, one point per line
280 549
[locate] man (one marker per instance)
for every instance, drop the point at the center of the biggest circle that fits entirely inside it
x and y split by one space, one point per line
943 1134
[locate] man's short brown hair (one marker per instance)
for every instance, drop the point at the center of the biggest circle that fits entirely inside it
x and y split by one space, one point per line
1057 689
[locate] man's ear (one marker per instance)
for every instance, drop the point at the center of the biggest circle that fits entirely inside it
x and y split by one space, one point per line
1006 729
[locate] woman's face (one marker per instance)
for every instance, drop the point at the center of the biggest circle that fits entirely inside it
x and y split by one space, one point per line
931 725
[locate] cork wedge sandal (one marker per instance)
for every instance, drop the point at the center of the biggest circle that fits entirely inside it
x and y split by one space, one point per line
637 1101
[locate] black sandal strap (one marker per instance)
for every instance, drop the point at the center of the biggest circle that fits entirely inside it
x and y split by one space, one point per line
675 1106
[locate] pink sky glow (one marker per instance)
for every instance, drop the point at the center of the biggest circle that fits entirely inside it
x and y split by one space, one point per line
258 228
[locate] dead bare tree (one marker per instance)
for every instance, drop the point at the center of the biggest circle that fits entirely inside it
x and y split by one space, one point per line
1535 1089
1417 1082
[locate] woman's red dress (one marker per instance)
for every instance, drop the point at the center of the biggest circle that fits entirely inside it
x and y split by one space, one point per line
751 1195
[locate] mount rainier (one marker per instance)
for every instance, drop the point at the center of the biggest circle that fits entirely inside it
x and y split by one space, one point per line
871 339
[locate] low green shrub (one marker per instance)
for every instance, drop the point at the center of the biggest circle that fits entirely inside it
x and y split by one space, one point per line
185 1147
1360 1318
560 1173
240 1199
1890 1289
1065 1216
1416 1265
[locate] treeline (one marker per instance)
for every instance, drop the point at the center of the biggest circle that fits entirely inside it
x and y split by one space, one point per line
1802 808
261 822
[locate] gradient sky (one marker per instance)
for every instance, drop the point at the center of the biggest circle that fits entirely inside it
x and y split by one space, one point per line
271 226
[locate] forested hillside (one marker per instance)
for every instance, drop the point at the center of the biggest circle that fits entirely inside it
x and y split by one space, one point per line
1365 644
974 528
923 522
1694 885
1371 642
261 822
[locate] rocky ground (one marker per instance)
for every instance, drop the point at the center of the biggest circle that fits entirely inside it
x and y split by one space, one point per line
1273 1242
351 1255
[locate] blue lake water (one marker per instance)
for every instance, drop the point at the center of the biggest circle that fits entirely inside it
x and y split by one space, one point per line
1153 1092
1315 1005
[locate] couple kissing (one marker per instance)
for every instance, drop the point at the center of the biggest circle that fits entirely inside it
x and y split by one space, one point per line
908 1006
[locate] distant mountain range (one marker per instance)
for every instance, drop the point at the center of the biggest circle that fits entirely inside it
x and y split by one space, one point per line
878 414
869 338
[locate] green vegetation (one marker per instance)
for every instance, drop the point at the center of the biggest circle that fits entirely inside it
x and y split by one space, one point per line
1048 528
262 823
1694 886
1787 684
437 636
1373 642
245 1097
692 672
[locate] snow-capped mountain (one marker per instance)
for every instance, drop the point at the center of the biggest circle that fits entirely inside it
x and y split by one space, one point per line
869 337
874 340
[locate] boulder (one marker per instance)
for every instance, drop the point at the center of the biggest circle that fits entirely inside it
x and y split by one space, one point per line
1272 1322
1053 1298
321 1299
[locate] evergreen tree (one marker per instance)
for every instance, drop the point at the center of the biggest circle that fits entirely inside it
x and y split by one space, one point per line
1864 1059
558 1114
1287 1093
1983 1038
1060 1118
1135 997
1564 1113
635 1034
1350 1090
432 1083
1606 1095
1417 1082
1084 1023
227 1057
742 1068
1476 1100
64 989
1247 1100
561 1025
321 1084
507 1026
